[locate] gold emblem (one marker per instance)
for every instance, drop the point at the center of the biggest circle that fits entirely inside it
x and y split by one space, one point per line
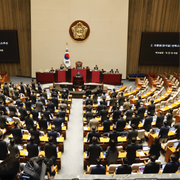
79 31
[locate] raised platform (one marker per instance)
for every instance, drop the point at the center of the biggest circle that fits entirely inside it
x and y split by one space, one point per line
78 92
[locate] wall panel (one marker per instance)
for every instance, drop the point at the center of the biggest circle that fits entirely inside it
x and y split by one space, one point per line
15 15
152 16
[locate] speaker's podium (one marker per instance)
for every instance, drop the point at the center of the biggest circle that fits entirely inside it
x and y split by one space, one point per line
78 81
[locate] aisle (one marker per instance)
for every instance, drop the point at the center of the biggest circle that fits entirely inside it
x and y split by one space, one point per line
72 158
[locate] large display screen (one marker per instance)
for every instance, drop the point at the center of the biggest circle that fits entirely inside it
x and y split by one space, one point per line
9 49
160 48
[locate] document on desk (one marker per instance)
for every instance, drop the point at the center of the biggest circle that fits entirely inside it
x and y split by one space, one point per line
85 128
141 153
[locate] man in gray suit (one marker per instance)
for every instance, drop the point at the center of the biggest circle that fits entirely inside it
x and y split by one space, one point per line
12 109
39 105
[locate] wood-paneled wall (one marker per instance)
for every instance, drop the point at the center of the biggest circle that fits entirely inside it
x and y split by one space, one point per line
152 16
15 15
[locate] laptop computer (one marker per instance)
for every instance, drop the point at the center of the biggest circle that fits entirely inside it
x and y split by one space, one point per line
176 143
162 167
172 129
154 118
146 148
157 131
123 134
141 169
9 119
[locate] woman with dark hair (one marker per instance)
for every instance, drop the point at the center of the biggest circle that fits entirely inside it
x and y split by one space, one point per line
112 153
155 148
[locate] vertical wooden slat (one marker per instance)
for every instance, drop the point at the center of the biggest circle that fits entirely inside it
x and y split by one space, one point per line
152 16
15 15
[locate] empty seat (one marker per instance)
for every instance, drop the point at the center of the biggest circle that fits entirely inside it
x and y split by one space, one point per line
112 167
135 166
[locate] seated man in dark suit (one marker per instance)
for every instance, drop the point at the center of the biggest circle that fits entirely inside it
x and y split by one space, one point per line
53 133
94 151
78 74
16 132
92 134
3 148
124 168
96 68
116 72
152 167
172 166
98 169
32 148
50 150
61 67
52 70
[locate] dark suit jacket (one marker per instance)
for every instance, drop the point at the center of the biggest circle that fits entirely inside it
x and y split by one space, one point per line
91 134
13 150
16 94
23 112
50 107
132 134
39 106
98 170
121 123
6 90
3 149
58 122
2 97
159 121
141 111
18 101
29 123
55 101
17 135
171 167
44 94
147 123
151 168
155 149
33 98
54 135
28 105
89 115
12 109
106 124
35 115
88 92
116 115
104 113
99 108
151 109
62 114
50 150
113 101
33 85
138 104
43 124
22 88
121 100
39 88
114 135
94 152
3 120
129 114
35 133
3 108
163 133
32 149
89 101
124 169
47 115
28 91
135 120
169 119
131 151
43 100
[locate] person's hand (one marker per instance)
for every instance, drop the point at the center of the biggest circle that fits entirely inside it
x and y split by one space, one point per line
48 174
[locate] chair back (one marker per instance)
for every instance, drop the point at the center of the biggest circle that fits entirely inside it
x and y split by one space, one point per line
78 64
141 133
112 167
135 166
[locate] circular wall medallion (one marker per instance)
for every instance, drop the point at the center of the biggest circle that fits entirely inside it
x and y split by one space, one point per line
79 30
